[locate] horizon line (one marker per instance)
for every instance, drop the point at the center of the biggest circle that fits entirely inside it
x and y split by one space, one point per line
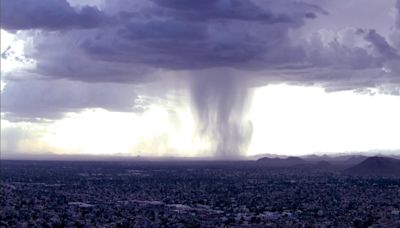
122 157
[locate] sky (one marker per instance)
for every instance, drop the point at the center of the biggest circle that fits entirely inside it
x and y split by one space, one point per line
213 78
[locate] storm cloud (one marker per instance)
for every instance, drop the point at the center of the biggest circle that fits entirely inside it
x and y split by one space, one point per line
221 48
49 15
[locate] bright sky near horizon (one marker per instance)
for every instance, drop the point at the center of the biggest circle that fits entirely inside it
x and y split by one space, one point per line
106 83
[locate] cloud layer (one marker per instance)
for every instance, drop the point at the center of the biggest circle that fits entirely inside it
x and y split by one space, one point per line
44 99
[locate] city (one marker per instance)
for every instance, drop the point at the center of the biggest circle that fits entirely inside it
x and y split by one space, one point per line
191 194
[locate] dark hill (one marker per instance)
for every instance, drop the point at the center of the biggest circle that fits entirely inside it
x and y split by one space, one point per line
317 166
376 166
324 165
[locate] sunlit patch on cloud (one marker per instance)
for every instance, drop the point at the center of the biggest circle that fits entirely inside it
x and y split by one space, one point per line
13 57
2 85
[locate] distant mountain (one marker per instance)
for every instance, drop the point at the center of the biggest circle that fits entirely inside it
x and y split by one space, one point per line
314 157
278 162
265 155
376 166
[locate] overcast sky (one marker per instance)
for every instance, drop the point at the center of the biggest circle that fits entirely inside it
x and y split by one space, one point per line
221 78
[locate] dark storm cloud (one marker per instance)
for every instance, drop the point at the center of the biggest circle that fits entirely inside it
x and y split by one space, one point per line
49 15
261 11
194 35
164 29
61 56
220 9
226 33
